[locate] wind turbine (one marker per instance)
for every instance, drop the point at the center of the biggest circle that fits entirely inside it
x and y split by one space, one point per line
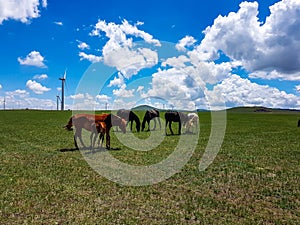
63 79
57 101
4 103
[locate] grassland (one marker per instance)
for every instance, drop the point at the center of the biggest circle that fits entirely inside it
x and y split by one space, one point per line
253 180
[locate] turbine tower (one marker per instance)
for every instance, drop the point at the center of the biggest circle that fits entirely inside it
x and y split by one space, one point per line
63 79
57 101
4 103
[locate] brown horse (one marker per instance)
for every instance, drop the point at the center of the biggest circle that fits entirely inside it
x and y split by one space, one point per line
94 124
173 116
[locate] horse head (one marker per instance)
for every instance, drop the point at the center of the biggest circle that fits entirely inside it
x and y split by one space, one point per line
67 127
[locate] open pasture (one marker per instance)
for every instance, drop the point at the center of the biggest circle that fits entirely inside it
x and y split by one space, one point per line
253 180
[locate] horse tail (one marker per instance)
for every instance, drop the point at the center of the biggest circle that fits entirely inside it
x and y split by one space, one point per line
69 124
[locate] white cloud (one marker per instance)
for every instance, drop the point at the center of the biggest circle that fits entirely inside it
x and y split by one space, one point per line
88 102
237 91
120 52
59 23
34 58
17 93
41 77
21 99
117 81
103 98
187 41
123 92
176 87
44 3
36 87
22 10
272 47
82 45
140 89
77 96
90 57
0 86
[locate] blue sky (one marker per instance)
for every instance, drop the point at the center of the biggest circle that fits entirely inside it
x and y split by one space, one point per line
191 54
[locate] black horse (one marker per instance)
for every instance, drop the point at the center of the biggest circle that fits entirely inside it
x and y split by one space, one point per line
130 116
298 123
149 115
173 116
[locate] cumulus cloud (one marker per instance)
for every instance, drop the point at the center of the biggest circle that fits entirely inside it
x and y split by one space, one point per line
36 87
123 92
90 57
273 48
0 86
236 91
41 77
185 42
117 81
21 99
87 101
82 45
120 52
21 10
34 58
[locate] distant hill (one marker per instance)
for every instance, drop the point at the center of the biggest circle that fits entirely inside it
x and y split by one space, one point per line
260 109
245 109
144 108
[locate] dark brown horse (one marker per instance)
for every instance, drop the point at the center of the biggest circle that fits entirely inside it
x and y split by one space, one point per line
93 123
149 115
130 116
174 116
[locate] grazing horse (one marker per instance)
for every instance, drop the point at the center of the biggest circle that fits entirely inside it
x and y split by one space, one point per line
94 123
193 119
298 123
173 116
130 116
149 115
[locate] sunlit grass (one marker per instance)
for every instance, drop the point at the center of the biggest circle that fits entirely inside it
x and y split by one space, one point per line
253 180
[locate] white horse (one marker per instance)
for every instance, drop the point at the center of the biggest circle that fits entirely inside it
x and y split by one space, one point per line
193 121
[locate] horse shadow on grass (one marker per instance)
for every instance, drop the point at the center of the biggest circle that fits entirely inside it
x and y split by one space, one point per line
88 150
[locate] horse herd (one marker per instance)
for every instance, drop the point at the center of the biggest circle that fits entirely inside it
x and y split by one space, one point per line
100 124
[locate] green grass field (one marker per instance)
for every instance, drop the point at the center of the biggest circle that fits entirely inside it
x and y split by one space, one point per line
253 180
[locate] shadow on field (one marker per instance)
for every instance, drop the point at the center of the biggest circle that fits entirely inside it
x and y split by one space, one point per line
88 150
68 149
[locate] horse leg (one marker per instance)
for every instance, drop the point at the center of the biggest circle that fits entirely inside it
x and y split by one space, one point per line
75 142
79 134
170 126
131 125
107 139
148 121
101 138
166 127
